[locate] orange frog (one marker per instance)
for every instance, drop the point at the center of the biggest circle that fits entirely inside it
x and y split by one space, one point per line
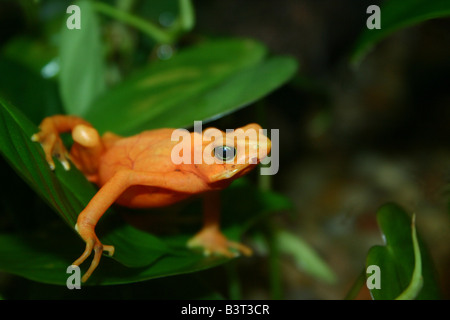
140 172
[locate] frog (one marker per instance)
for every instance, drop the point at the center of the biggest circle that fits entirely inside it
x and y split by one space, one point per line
142 171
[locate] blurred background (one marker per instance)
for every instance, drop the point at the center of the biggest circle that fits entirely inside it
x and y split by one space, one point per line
351 138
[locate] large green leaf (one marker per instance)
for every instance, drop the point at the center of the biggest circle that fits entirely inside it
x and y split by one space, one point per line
81 76
44 255
395 15
27 159
396 260
199 83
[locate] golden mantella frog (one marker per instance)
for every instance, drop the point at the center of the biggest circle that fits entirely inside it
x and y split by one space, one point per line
140 172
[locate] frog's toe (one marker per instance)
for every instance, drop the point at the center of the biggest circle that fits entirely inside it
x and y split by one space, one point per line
59 151
214 242
53 147
35 137
109 250
64 160
93 244
246 251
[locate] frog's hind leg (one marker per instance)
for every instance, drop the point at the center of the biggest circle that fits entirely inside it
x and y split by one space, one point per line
87 150
49 137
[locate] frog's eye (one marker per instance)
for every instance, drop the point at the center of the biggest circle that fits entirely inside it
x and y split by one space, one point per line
224 153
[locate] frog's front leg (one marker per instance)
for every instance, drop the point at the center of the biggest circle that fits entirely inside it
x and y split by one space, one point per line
88 218
108 194
210 238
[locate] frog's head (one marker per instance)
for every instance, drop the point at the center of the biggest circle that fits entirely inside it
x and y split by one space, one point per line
227 156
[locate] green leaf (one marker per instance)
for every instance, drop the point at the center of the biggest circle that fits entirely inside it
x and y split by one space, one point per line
395 15
27 158
45 255
81 77
415 286
305 257
199 83
396 259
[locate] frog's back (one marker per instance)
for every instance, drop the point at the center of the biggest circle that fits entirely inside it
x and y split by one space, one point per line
149 151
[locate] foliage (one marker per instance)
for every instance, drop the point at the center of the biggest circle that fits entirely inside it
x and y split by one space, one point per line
396 15
169 77
406 270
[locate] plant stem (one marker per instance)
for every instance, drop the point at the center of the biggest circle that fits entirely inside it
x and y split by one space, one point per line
359 283
275 277
125 5
185 21
186 15
145 26
234 288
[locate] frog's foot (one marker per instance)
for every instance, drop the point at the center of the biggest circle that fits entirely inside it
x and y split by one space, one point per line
214 242
92 243
53 147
